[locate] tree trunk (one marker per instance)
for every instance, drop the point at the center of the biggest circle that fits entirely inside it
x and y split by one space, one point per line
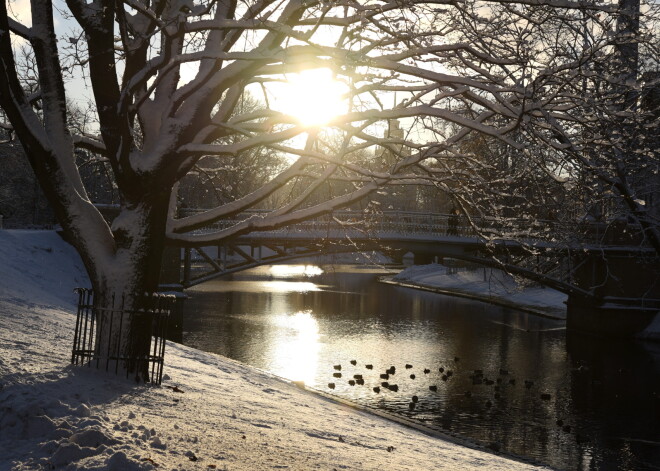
123 287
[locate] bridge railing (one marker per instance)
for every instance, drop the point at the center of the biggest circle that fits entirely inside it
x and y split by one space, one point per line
357 224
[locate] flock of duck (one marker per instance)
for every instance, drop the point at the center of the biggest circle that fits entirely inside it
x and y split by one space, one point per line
477 377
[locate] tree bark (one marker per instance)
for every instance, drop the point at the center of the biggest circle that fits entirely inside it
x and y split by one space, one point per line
124 286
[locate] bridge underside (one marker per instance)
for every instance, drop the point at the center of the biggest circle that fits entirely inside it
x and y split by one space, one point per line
617 296
548 266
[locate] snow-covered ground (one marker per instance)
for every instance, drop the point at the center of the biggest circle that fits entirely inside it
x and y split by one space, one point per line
486 284
222 414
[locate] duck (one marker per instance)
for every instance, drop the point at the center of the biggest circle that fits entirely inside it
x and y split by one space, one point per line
376 389
337 367
331 385
353 362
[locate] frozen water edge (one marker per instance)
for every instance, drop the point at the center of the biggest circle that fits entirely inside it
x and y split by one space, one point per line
209 411
492 286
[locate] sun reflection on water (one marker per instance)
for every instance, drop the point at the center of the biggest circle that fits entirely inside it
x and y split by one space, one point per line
295 349
288 271
289 286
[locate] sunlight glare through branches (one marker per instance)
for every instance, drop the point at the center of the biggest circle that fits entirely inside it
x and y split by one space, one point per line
312 96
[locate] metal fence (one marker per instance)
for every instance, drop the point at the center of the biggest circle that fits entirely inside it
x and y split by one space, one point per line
101 331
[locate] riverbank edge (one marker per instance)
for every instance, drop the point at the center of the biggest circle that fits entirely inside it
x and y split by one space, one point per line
400 420
546 312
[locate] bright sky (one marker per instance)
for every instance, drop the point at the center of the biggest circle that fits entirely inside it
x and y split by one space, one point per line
20 11
313 96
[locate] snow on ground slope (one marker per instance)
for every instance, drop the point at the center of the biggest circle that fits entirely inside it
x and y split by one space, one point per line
487 284
210 413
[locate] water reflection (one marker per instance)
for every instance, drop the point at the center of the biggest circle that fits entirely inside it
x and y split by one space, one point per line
266 286
289 271
294 351
601 413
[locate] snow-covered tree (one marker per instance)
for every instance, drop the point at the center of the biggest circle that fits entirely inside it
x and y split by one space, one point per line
538 77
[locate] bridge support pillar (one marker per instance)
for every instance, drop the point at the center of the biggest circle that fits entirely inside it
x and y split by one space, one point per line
170 280
222 255
187 260
170 270
627 296
614 319
423 258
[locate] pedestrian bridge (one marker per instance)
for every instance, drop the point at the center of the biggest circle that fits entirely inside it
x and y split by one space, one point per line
548 252
610 275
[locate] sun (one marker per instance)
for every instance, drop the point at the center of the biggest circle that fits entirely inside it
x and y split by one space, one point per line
313 97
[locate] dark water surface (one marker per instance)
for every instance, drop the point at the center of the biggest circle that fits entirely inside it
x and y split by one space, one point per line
298 322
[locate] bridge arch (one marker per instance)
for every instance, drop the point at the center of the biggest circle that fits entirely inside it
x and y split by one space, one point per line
597 303
283 254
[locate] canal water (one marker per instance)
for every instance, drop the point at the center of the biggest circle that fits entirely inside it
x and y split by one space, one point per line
511 381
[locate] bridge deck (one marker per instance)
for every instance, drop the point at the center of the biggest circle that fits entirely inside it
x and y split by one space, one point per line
445 228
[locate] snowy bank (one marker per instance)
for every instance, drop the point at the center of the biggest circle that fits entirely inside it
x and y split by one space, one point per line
210 413
484 284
